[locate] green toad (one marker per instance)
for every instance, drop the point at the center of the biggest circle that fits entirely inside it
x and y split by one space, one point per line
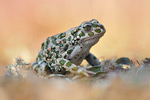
64 52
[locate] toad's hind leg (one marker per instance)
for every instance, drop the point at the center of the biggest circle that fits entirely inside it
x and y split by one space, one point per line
92 60
61 67
45 68
41 68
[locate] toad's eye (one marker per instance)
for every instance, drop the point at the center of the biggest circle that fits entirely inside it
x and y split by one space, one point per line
87 27
94 21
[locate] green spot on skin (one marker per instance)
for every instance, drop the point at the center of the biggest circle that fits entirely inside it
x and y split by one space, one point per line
57 56
82 34
62 62
64 40
49 56
78 29
53 61
46 46
39 57
69 51
69 38
57 52
82 73
62 35
47 41
54 42
53 49
98 30
42 46
65 56
66 47
91 34
53 38
47 52
72 32
60 56
73 43
95 68
75 68
69 64
50 62
75 35
94 25
59 36
61 44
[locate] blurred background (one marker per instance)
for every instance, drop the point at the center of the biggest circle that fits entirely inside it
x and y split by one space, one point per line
25 24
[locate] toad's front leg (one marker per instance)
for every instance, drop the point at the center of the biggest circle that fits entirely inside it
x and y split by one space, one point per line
92 60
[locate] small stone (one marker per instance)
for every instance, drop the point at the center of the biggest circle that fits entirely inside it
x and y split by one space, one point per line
123 60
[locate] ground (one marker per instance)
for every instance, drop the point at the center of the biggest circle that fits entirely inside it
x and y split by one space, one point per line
116 84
